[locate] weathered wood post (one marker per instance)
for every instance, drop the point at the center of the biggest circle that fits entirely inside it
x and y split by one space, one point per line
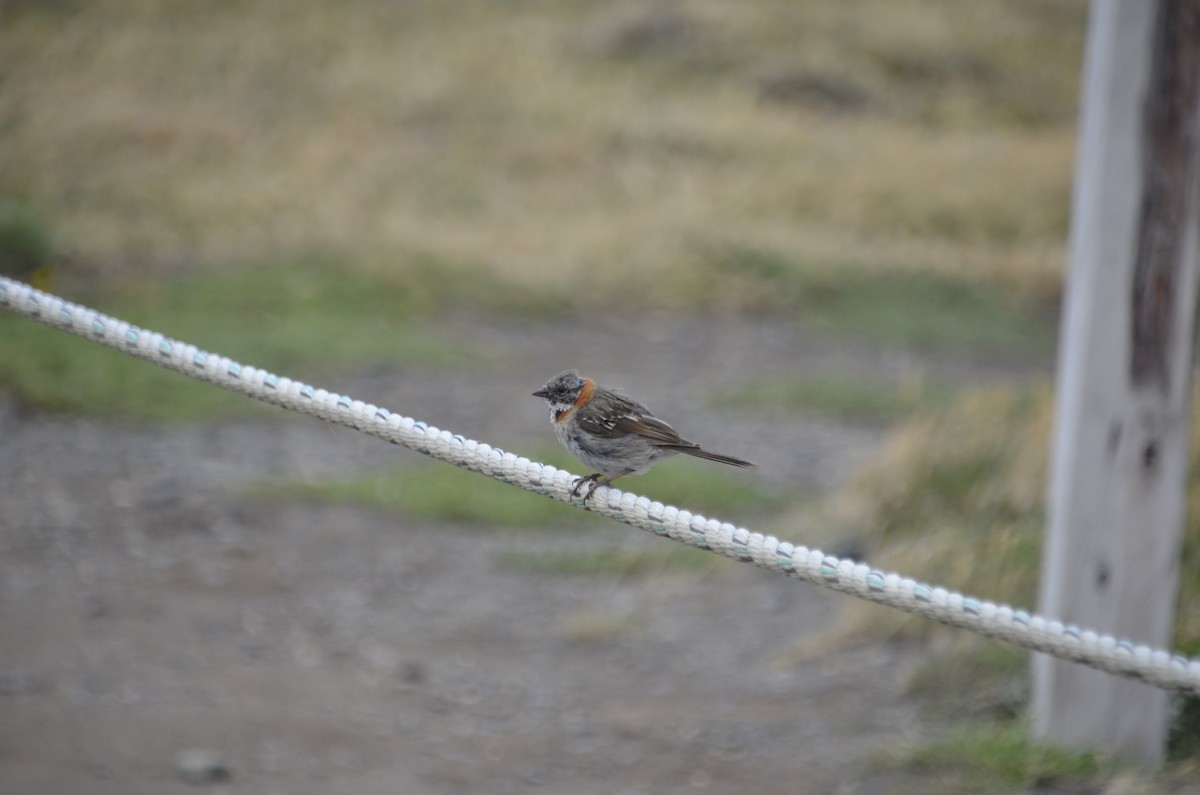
1119 462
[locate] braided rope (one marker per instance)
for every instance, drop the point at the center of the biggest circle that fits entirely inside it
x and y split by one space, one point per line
1069 642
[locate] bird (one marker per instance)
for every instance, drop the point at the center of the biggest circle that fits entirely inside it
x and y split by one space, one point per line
612 433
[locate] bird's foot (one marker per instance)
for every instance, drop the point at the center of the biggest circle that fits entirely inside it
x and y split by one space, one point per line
593 483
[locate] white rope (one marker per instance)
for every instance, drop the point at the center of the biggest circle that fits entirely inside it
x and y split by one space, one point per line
1121 657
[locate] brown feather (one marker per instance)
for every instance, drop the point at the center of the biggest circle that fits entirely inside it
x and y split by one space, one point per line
720 459
651 429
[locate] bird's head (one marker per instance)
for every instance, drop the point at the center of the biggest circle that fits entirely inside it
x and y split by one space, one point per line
566 391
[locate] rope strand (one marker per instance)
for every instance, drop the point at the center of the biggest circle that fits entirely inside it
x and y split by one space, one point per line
1104 652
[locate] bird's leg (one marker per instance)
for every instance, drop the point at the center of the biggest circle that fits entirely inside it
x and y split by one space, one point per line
592 478
596 482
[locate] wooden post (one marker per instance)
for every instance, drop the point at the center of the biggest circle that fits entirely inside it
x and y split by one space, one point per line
1119 466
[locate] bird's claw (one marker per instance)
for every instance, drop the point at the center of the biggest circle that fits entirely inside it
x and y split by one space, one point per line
592 481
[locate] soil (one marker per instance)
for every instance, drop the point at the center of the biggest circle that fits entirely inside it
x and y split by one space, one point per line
163 630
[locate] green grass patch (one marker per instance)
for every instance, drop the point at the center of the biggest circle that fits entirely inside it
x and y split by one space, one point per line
27 250
926 309
846 398
706 488
437 492
662 558
303 319
991 759
56 371
906 306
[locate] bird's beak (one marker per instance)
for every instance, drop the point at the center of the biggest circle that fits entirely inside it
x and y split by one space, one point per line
542 393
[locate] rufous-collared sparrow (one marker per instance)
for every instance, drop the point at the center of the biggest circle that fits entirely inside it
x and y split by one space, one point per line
611 433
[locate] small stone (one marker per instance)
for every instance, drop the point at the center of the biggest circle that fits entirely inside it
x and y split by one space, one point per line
412 672
200 766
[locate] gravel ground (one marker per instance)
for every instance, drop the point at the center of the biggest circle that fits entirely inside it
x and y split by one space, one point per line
162 631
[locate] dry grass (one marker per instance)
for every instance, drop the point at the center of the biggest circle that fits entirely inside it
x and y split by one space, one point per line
958 499
547 141
953 498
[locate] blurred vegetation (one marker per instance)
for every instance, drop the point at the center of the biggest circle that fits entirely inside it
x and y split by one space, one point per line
901 304
972 478
998 760
847 398
896 169
1001 758
303 318
307 188
614 561
547 142
436 492
27 250
956 498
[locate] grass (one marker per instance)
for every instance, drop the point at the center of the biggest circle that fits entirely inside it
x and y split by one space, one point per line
27 250
436 492
306 191
974 678
843 397
652 562
890 169
311 314
922 310
54 371
957 498
300 317
549 143
900 305
997 760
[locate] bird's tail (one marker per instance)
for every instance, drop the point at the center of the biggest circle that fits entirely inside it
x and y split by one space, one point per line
720 459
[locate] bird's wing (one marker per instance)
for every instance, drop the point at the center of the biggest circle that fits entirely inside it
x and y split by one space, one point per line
652 430
628 421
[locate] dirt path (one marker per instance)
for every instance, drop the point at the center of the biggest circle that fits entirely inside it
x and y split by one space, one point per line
148 608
